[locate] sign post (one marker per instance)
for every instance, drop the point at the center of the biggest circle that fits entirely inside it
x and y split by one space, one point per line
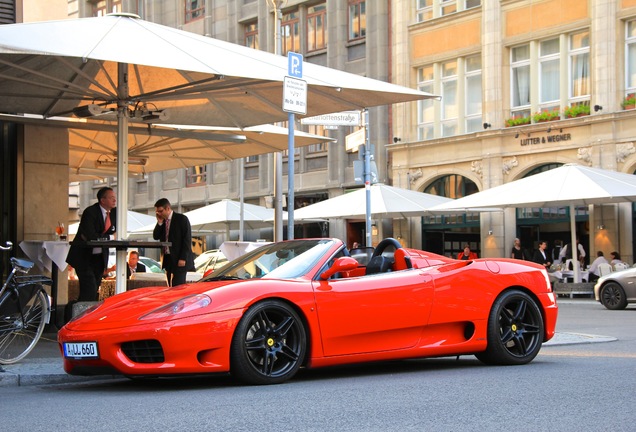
294 101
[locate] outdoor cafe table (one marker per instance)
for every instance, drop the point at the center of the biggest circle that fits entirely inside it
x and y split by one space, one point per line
564 275
51 256
123 245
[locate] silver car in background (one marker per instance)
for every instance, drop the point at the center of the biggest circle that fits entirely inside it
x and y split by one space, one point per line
617 289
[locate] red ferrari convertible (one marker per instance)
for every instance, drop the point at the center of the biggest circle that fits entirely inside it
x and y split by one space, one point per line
313 303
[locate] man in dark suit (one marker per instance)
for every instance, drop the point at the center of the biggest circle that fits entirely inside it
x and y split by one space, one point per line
98 221
540 255
134 266
175 228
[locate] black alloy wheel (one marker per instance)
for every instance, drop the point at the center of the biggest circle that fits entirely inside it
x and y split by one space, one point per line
269 344
613 296
515 330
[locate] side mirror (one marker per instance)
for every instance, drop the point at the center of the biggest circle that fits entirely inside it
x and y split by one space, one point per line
341 264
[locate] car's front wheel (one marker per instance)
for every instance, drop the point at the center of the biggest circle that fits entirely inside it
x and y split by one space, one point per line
613 296
515 330
269 344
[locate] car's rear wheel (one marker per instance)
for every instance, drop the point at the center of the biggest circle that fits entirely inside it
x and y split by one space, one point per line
515 330
613 296
269 344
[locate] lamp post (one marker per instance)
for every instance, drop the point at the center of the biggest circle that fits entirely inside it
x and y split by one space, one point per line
278 156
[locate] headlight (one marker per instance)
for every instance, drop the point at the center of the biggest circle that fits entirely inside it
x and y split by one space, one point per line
184 305
86 311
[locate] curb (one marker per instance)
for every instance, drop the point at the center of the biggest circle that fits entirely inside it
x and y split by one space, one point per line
48 368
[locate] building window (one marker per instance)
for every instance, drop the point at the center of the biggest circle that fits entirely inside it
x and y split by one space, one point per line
472 74
520 80
290 33
319 130
424 10
103 7
317 27
459 82
196 176
579 67
426 108
429 9
194 9
357 20
448 7
549 74
251 35
630 53
449 98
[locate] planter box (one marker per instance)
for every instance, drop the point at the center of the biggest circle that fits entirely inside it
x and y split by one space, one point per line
572 289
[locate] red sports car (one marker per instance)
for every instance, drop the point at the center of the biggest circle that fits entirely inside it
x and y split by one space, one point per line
311 303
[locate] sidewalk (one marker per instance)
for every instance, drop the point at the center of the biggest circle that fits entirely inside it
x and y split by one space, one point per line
44 364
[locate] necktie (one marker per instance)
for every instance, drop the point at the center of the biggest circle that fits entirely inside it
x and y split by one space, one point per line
167 249
107 223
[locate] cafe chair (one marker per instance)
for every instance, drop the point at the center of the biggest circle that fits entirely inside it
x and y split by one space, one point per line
604 269
620 266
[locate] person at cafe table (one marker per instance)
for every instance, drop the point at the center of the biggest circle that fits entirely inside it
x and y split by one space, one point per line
540 256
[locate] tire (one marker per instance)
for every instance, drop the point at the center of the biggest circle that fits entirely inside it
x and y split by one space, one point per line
18 337
269 344
613 296
515 330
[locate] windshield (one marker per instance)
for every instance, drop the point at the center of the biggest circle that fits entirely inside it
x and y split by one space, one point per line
285 260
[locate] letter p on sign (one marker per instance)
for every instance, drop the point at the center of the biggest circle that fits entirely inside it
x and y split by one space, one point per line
295 64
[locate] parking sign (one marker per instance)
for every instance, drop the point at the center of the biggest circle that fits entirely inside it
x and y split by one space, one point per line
295 65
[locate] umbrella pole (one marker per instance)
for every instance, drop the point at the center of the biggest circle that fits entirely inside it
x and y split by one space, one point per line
122 174
573 245
367 179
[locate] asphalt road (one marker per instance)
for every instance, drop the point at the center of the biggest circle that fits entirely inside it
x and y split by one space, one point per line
584 387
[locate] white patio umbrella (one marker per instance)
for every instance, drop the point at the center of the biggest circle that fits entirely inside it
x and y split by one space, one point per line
386 202
144 72
93 146
221 216
569 185
135 221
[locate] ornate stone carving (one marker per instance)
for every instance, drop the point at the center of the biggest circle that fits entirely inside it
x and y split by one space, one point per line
476 167
509 164
624 150
414 176
585 154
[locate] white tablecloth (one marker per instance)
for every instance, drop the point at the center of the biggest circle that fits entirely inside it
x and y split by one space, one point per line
44 253
562 275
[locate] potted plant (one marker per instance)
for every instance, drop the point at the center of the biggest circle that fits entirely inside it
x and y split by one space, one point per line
577 110
546 116
629 102
517 121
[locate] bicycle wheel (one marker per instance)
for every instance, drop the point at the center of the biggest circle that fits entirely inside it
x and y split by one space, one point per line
17 336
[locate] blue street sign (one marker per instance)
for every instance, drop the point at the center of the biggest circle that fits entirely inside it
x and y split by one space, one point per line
295 64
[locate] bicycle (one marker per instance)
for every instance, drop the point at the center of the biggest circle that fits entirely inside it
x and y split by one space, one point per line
24 310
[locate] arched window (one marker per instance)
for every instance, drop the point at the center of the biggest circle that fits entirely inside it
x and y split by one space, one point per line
452 186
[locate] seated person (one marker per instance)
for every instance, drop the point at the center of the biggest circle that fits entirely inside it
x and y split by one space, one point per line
467 254
134 266
593 270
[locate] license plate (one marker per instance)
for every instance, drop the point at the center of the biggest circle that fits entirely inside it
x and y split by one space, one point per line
82 350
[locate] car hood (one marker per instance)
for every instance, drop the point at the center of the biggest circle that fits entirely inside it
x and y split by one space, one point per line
621 274
125 309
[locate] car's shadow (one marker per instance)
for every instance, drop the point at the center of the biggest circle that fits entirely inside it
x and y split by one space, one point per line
304 375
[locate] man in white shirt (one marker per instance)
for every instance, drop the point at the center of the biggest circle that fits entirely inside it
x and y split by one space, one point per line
594 273
580 253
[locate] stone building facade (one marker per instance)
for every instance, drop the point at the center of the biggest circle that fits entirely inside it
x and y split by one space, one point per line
349 35
503 69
